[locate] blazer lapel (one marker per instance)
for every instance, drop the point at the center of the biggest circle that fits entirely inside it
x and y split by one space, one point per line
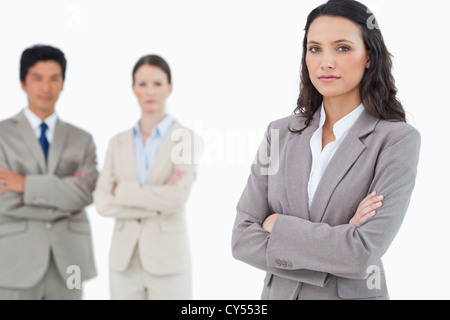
31 141
161 156
345 156
128 155
298 168
57 145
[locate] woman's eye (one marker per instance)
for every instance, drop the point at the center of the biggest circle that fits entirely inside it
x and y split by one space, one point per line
343 49
314 49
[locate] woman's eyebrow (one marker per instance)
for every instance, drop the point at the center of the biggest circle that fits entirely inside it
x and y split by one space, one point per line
337 41
343 40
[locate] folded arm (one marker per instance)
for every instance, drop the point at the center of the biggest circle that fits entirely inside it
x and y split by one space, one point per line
249 240
131 200
165 199
71 193
296 244
345 250
12 197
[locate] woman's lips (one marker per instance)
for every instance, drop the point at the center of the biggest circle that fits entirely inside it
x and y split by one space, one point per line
328 79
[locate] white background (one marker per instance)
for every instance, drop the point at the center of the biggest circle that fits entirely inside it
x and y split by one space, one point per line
235 69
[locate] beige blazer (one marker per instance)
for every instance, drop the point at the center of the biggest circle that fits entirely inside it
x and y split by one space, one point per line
151 216
310 246
50 215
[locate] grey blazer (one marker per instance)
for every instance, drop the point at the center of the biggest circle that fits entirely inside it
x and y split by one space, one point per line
315 253
49 215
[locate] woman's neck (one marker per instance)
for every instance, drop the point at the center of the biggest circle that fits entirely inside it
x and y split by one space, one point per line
149 121
337 108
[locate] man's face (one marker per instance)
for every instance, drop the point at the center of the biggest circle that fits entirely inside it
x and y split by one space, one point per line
43 84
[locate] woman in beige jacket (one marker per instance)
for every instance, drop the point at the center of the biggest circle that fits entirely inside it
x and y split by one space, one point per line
145 183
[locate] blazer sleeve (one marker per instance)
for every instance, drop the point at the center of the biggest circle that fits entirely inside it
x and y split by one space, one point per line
164 199
345 250
249 241
12 204
64 193
105 202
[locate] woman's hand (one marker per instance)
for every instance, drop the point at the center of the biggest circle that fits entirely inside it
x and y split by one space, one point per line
270 222
176 176
366 209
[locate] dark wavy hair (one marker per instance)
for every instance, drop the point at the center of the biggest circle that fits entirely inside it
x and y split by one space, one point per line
377 88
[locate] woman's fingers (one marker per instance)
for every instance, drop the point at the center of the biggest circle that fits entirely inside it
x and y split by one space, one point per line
176 176
371 206
364 218
367 201
366 209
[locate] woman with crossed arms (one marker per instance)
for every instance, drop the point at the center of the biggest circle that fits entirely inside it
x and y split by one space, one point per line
145 182
342 169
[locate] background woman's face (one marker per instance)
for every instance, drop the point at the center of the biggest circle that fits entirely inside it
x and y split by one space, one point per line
336 56
151 87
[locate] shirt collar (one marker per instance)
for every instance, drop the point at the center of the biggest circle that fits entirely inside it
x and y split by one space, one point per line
161 128
35 121
341 127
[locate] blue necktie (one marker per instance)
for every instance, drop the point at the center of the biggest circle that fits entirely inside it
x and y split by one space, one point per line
43 140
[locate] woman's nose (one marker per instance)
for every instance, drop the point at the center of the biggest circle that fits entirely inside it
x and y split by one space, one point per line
328 62
151 91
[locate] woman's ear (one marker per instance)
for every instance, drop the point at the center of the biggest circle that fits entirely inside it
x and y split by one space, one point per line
368 60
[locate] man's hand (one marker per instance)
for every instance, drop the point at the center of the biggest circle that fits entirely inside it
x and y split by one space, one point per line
12 181
79 174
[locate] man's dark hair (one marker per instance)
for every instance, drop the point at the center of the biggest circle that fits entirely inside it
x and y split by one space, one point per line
37 53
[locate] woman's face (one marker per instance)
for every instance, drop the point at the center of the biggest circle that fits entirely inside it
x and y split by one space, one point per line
336 56
151 87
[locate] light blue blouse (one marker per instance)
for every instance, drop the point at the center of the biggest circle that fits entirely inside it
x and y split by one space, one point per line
145 153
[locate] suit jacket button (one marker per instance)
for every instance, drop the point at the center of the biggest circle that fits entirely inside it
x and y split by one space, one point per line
139 220
278 261
49 226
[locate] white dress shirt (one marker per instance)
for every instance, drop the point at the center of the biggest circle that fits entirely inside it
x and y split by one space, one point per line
321 158
35 123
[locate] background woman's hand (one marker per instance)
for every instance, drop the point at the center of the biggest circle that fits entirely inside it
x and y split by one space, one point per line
176 176
366 209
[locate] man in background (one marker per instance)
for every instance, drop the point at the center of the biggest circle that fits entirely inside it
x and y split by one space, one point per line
47 175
